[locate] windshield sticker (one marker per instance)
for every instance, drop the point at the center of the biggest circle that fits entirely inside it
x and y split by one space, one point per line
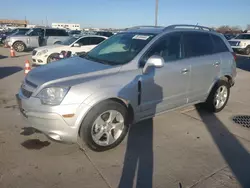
141 37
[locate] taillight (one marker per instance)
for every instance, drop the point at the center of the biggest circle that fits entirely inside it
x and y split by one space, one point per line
235 56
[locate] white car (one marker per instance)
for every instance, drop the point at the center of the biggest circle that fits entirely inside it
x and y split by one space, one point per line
44 55
241 43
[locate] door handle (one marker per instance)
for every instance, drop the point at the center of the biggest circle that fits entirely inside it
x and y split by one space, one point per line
216 64
184 71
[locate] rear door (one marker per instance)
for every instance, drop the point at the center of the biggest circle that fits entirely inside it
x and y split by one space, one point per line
205 64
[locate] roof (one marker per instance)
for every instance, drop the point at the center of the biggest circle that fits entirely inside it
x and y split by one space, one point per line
160 29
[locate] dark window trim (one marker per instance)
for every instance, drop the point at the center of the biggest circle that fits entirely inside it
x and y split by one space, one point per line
157 42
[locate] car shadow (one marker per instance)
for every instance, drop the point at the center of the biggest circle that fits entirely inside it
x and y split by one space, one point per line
3 56
7 71
35 144
235 155
243 62
138 160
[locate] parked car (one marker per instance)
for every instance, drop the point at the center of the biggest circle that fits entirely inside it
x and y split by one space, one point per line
131 76
36 37
229 36
241 43
75 32
14 32
104 33
44 55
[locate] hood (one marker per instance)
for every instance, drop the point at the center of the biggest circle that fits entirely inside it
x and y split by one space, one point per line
68 69
49 47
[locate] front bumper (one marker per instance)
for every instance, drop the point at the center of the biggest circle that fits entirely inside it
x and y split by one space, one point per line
39 60
49 119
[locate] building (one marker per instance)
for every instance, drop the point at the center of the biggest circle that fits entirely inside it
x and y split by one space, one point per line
20 23
70 26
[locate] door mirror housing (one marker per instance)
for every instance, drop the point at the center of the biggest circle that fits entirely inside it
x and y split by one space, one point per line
76 45
154 61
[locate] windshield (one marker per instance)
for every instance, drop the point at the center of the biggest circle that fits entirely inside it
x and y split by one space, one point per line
69 41
120 48
243 36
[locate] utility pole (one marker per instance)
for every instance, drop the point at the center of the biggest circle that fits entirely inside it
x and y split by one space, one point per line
156 12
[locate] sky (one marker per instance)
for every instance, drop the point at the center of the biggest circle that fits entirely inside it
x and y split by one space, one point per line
127 13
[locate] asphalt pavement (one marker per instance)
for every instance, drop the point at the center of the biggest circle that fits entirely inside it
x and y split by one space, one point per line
186 148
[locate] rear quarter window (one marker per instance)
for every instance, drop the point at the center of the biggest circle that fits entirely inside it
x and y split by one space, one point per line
219 44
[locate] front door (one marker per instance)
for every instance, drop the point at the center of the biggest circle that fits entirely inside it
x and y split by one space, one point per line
165 88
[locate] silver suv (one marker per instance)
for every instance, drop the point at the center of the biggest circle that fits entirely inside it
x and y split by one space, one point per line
37 37
134 75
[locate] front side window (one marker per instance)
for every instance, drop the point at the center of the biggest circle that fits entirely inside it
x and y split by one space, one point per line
120 48
96 40
197 44
69 41
168 47
83 41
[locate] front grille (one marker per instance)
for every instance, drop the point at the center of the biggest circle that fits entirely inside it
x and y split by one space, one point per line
30 83
34 52
234 43
26 93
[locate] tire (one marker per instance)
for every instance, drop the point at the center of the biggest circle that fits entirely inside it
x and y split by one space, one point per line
50 58
247 51
211 102
90 130
58 42
19 46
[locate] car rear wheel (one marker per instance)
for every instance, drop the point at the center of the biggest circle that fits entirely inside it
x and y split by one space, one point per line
218 97
105 126
19 46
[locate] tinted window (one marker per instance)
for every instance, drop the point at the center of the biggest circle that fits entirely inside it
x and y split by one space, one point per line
169 48
83 41
243 36
56 32
51 32
62 33
219 45
96 40
197 44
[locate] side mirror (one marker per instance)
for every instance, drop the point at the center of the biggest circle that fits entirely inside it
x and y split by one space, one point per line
76 45
154 61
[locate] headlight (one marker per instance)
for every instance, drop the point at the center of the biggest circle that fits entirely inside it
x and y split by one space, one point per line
52 95
42 52
243 44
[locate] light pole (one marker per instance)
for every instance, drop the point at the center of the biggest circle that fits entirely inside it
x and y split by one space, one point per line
156 12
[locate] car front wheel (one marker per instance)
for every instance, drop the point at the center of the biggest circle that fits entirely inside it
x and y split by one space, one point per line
19 46
105 126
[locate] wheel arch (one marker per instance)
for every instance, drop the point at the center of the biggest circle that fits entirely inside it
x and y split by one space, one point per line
119 100
19 41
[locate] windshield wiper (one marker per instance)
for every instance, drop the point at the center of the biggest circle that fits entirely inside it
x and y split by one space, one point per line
86 56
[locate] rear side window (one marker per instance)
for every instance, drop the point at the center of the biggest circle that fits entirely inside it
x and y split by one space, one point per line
219 44
197 44
96 40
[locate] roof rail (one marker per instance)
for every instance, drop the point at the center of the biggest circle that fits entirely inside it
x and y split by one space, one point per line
188 26
144 26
